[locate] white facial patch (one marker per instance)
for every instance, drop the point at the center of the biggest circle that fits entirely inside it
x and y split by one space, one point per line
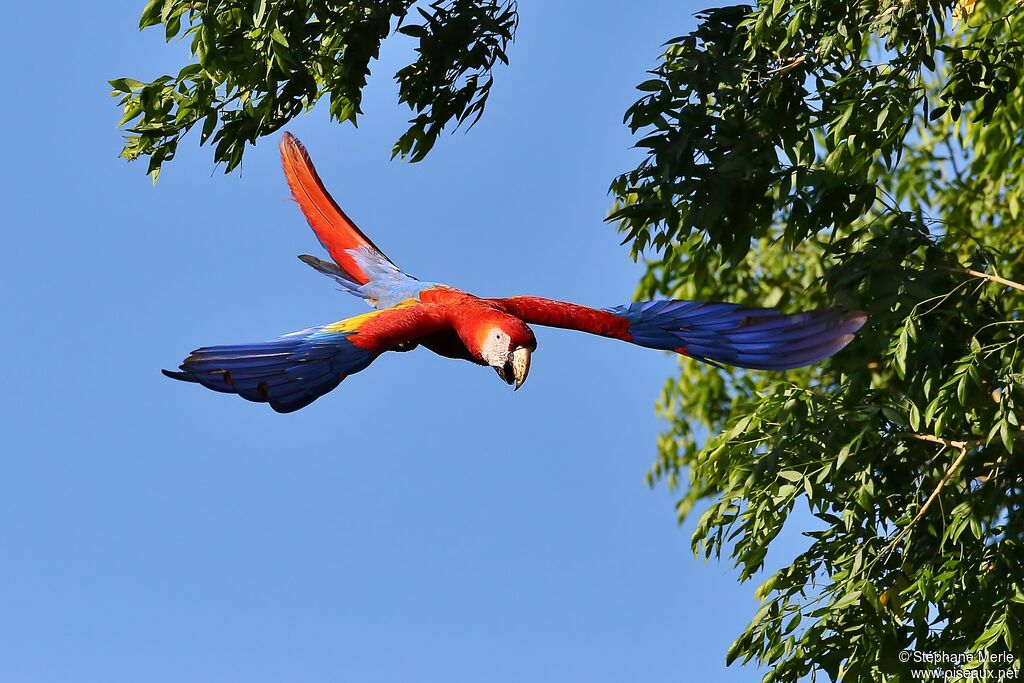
496 347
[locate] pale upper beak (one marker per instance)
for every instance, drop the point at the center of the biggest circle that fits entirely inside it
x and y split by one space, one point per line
520 365
516 367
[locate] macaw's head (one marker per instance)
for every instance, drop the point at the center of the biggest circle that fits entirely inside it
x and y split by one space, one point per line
505 343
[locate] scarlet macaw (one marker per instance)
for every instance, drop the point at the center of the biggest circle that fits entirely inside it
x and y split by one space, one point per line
292 371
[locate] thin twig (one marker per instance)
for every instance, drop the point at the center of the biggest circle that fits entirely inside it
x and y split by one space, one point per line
996 278
939 440
952 160
789 66
963 446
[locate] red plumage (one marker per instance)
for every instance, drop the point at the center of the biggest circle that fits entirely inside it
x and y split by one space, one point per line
551 313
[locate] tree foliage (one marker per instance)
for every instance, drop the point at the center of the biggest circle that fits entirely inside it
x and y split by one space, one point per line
804 153
260 63
799 153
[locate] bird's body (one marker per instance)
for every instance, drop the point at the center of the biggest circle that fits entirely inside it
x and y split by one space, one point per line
293 370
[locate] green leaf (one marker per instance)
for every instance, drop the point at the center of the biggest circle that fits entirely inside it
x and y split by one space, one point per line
846 601
151 13
125 85
279 37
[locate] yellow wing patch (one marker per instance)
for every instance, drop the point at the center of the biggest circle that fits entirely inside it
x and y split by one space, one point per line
353 324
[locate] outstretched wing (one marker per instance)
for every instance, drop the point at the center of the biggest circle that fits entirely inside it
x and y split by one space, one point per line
292 371
362 268
744 336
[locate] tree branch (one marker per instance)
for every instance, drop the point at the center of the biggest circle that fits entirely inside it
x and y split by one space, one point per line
963 446
788 65
996 278
952 159
967 443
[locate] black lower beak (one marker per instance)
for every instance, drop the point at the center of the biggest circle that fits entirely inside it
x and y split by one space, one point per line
506 373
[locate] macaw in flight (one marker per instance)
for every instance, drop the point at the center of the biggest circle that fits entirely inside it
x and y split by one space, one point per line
292 371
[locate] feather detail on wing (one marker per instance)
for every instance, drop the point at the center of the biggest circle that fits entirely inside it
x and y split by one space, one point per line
289 372
362 269
335 230
292 371
743 336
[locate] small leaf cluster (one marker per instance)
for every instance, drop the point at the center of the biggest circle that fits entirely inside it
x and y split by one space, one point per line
460 41
790 108
260 63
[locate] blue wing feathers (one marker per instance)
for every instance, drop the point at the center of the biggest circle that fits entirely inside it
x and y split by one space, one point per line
755 338
289 372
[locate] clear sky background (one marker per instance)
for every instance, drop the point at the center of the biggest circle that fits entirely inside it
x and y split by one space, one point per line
421 522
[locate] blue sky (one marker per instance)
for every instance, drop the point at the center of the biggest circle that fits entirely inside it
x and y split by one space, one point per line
420 523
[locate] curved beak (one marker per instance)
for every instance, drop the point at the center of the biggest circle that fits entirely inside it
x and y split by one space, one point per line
520 366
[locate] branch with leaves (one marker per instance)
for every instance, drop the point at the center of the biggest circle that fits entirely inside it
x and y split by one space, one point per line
260 64
791 158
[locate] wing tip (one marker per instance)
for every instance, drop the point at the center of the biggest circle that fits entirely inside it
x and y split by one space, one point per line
838 328
290 143
854 320
295 159
178 375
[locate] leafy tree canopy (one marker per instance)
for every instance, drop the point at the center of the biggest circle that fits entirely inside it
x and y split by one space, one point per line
799 153
260 63
805 153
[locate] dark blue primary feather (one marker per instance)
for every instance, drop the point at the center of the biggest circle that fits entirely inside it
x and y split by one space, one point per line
289 372
755 338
